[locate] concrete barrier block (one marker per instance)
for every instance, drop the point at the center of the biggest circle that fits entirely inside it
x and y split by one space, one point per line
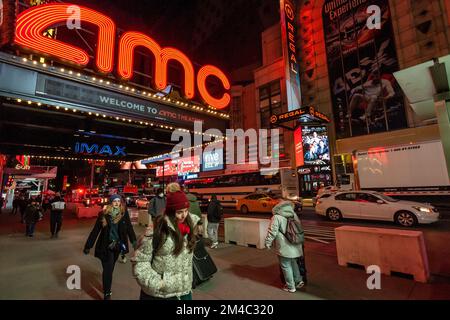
246 231
205 226
393 250
88 212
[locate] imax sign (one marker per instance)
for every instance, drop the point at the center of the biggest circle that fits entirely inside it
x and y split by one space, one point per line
105 150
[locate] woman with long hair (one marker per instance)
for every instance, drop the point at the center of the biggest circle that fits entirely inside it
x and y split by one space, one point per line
163 260
113 229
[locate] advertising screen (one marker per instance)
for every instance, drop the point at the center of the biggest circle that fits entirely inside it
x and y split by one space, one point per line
212 160
361 61
315 145
179 167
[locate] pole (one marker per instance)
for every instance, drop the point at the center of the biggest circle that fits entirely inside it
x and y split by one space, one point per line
92 175
163 176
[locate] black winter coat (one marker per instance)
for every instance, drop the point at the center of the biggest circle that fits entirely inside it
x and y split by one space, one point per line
214 211
32 214
126 233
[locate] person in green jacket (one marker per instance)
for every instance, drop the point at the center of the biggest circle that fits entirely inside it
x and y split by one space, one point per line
287 252
194 207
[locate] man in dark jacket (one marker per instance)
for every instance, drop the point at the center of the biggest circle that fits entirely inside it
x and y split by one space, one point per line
23 203
32 215
15 205
215 211
157 205
57 207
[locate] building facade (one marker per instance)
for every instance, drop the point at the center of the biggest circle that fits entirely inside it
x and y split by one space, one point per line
349 71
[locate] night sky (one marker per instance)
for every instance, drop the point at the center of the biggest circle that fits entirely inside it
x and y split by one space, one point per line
235 41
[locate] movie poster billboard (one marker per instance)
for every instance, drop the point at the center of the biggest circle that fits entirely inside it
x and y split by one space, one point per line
361 61
316 146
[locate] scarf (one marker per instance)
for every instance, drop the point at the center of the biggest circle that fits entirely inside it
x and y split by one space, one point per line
184 229
115 215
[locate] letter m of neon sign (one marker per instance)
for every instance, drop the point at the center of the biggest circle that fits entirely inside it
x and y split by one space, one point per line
33 22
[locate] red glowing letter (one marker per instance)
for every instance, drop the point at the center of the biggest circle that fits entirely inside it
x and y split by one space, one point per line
33 22
130 40
203 73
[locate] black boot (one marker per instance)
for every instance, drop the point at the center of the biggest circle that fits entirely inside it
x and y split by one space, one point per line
107 296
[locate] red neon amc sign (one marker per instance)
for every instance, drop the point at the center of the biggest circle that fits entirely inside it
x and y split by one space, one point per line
32 23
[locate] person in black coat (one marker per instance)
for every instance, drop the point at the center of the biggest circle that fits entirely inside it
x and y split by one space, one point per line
32 215
111 234
215 211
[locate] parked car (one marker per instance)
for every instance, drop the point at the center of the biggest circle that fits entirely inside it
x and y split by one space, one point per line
143 201
372 205
262 202
130 199
94 199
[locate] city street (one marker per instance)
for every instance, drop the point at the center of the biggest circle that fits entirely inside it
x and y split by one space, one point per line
35 268
340 107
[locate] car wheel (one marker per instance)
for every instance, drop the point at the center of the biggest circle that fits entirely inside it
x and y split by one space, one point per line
334 214
406 219
244 209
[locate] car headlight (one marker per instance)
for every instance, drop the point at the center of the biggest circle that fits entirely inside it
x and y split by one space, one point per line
423 209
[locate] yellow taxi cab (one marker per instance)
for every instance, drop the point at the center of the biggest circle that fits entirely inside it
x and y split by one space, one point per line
260 202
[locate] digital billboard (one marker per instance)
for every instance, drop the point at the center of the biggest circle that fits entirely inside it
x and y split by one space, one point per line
212 160
316 147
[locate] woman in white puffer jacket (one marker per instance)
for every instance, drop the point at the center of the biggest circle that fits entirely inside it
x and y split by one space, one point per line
162 264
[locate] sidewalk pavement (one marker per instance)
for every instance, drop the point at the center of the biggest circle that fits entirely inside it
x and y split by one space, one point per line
35 268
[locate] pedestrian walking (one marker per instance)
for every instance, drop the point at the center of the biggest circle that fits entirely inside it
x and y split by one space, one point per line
57 207
111 233
162 264
15 205
2 202
32 214
286 230
215 212
22 204
157 205
194 208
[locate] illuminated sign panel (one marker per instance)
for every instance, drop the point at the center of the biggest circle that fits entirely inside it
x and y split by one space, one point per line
105 150
212 160
298 142
33 22
180 166
288 12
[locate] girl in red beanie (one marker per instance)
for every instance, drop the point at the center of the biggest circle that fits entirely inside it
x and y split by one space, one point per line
163 262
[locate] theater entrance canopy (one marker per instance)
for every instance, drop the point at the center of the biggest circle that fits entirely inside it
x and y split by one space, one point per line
70 90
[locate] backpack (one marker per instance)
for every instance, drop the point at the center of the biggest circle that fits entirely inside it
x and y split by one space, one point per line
294 231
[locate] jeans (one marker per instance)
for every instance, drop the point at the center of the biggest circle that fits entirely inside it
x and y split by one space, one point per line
30 228
212 231
108 264
145 296
55 221
291 271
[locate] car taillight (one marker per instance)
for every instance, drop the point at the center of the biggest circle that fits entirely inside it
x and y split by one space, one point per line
318 202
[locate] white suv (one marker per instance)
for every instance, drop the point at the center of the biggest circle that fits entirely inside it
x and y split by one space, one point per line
372 205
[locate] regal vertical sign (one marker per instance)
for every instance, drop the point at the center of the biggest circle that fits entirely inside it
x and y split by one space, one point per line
288 9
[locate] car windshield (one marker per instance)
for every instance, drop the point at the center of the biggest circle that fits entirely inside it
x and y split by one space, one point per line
386 198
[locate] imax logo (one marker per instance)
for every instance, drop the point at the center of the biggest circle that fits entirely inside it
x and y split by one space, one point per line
105 150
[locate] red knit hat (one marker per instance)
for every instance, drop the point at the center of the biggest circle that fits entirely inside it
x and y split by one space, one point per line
176 201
